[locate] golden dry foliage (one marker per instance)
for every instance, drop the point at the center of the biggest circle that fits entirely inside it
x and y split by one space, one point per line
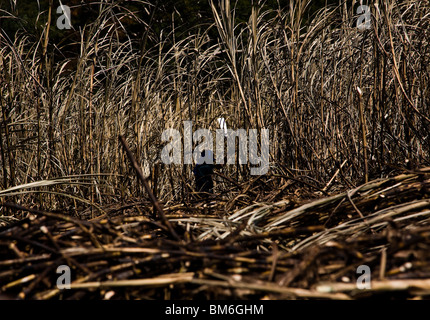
335 98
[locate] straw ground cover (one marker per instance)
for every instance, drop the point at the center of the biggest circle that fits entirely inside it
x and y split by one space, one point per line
277 250
344 106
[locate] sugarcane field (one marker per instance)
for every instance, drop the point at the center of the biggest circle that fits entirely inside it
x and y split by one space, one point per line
214 150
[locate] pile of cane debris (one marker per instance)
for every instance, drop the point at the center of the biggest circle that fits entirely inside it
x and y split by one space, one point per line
280 250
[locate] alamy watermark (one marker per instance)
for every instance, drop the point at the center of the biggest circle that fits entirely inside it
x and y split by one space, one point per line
365 19
64 280
364 281
179 150
64 21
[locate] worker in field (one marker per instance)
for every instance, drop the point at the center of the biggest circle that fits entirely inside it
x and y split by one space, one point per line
204 167
203 171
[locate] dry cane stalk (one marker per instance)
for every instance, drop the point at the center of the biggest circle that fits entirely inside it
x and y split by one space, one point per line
363 134
147 187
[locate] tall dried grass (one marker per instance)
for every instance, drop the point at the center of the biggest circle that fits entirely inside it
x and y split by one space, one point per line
336 99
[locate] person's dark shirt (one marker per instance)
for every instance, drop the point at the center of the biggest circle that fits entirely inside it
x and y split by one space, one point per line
203 174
